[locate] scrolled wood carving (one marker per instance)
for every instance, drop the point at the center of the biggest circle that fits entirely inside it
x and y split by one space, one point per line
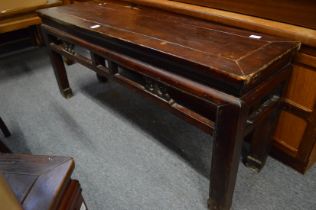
69 47
157 89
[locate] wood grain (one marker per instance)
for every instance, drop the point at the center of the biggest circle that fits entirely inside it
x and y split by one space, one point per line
290 131
186 64
302 13
33 176
10 8
302 87
210 50
16 23
305 35
306 57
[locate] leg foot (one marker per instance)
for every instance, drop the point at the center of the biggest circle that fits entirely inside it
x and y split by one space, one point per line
67 93
102 78
68 61
261 141
212 205
253 163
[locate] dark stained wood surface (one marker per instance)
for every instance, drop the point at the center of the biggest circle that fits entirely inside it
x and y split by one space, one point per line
295 147
37 181
215 51
188 65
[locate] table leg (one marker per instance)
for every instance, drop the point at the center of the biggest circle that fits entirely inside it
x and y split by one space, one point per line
4 128
60 74
98 60
101 78
261 141
59 68
228 138
36 35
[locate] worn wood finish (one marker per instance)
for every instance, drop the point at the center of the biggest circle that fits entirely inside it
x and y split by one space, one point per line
228 138
39 182
292 146
214 76
46 176
228 56
305 35
300 13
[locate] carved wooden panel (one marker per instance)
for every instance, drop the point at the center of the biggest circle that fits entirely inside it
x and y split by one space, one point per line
157 89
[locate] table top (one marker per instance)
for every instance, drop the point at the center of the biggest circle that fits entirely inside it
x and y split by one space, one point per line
215 50
37 181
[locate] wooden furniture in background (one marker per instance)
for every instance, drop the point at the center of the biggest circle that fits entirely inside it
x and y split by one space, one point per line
19 23
6 133
224 80
301 13
7 198
42 182
295 136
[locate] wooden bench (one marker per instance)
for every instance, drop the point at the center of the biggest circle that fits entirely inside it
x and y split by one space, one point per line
224 80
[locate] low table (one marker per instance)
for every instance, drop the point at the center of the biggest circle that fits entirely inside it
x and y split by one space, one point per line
224 80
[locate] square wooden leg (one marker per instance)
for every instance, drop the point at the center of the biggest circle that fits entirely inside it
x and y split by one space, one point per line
261 141
60 74
228 138
59 70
